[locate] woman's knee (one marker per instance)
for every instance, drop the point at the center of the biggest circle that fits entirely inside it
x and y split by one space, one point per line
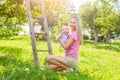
48 58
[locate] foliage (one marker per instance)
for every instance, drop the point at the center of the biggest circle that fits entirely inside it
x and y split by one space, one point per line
102 17
12 15
88 14
85 37
56 12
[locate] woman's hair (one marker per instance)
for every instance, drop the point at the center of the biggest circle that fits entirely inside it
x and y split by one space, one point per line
78 27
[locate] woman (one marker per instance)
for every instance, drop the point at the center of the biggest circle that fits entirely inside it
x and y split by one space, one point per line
71 46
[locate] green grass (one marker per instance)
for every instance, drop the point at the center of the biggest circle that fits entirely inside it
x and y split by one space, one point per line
97 62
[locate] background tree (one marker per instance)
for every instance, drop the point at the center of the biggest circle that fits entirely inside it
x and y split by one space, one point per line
12 14
57 14
108 18
102 17
88 13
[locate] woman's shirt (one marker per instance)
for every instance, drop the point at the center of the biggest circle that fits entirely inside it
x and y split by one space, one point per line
74 48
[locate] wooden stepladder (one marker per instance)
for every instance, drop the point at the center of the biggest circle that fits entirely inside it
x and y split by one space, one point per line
32 34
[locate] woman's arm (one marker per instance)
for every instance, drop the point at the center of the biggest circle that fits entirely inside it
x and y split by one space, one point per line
67 44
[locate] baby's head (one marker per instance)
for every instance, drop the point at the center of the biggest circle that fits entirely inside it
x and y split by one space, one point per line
65 29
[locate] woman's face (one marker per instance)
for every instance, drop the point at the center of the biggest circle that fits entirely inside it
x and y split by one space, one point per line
73 24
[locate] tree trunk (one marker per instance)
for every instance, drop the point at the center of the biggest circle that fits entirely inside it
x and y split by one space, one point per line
109 38
96 39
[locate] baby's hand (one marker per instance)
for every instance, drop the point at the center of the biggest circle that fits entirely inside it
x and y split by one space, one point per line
58 37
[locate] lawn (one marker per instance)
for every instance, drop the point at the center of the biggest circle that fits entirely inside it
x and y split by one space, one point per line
97 62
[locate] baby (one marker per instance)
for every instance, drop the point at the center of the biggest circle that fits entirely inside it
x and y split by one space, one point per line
64 33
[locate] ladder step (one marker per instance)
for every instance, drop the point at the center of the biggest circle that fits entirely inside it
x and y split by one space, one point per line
43 50
36 17
41 33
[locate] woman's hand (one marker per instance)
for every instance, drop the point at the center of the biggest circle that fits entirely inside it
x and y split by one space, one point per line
65 45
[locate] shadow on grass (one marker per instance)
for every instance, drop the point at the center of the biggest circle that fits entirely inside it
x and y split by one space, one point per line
112 47
6 37
7 60
11 50
78 76
88 42
53 75
15 69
